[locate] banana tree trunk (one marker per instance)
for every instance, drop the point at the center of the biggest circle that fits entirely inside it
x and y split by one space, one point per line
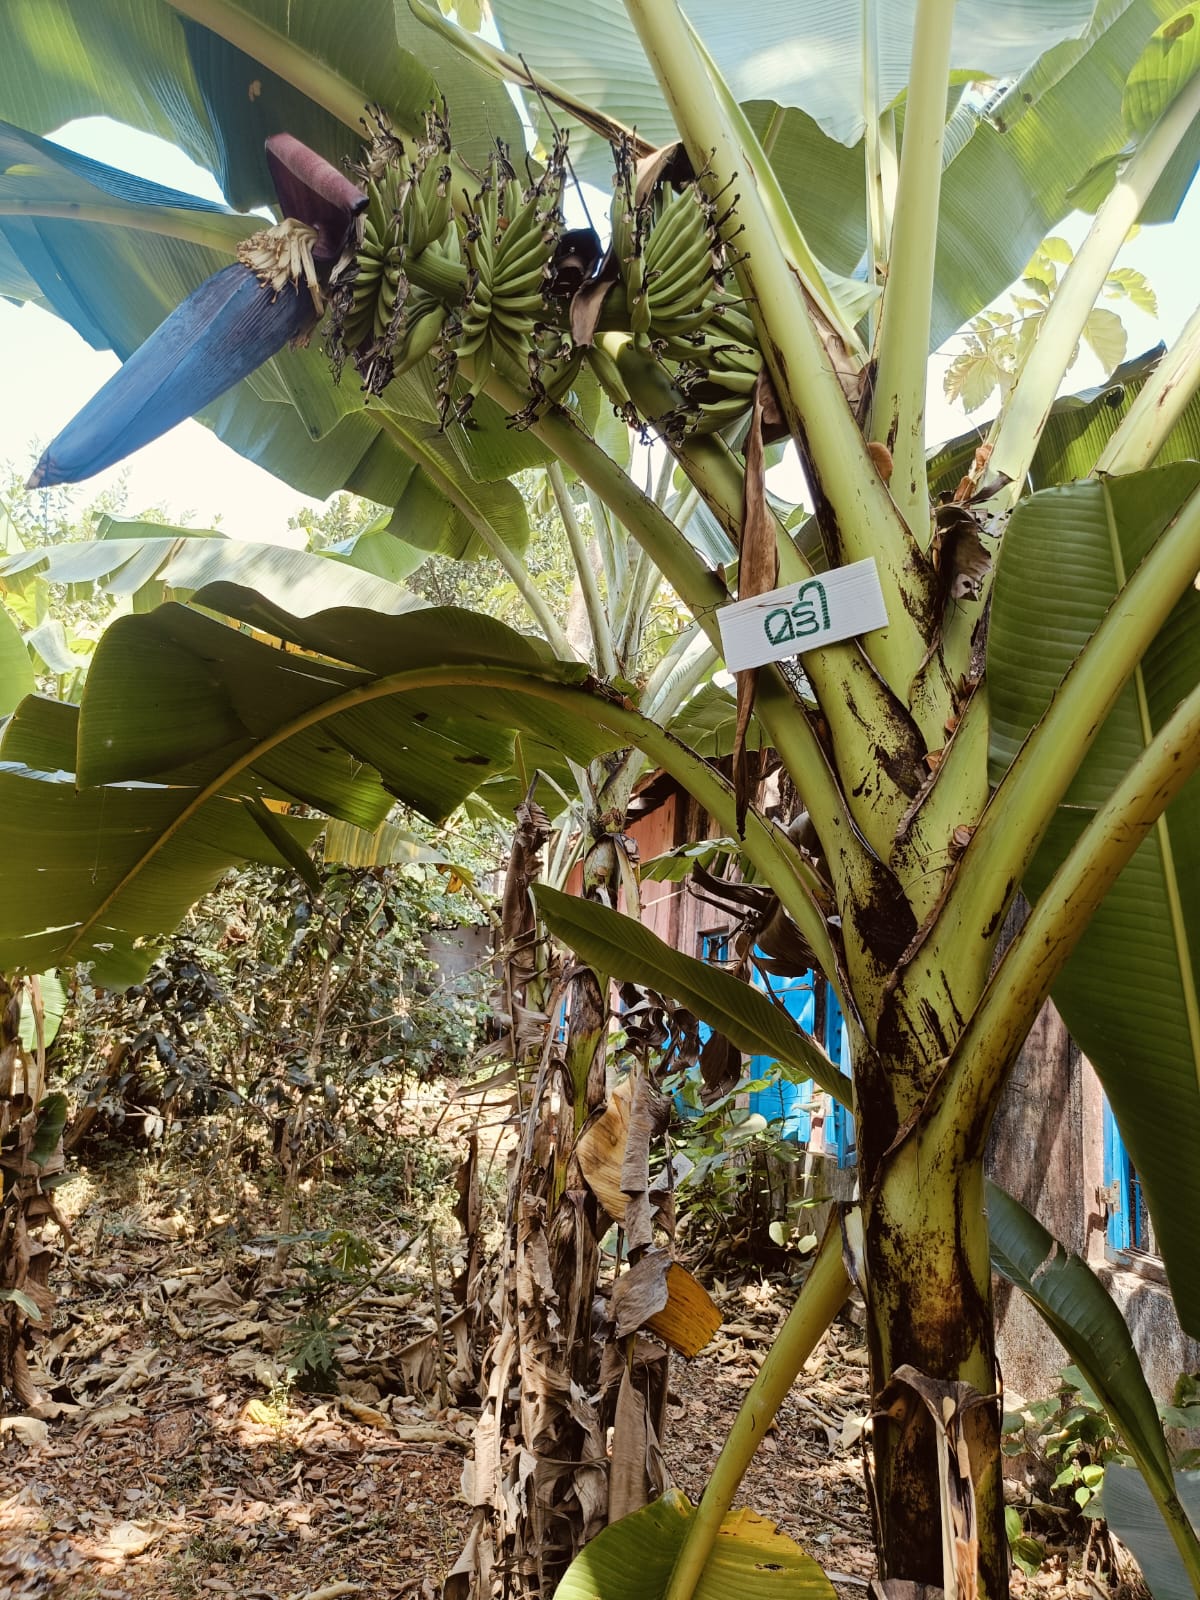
929 1303
540 1482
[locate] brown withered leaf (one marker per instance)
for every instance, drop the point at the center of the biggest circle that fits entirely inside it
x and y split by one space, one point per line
517 921
649 1114
963 1424
588 301
960 839
854 378
636 1472
670 163
658 1294
600 1149
960 557
758 569
975 487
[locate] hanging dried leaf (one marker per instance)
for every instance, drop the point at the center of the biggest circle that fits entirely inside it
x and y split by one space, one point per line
649 1115
636 1473
600 1149
658 1294
517 920
588 301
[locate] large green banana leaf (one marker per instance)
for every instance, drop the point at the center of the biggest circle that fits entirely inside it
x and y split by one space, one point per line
148 564
44 188
1131 1513
156 66
805 53
81 880
114 813
632 1559
1009 171
16 669
1084 1318
618 945
1129 990
1079 427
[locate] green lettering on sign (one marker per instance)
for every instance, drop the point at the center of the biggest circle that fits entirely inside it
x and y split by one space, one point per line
800 620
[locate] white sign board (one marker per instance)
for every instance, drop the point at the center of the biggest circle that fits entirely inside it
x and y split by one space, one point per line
802 616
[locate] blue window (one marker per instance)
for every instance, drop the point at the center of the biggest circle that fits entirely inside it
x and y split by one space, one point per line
1128 1220
837 1046
782 1100
810 1002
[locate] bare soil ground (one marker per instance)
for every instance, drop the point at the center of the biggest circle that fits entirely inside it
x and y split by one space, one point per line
173 1460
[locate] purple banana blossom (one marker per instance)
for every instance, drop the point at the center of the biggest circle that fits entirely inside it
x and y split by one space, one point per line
313 191
231 324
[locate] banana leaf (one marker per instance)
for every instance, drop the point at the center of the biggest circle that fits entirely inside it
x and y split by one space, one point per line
119 814
83 885
310 69
16 669
1086 1321
1131 1513
632 1559
618 945
149 563
1128 992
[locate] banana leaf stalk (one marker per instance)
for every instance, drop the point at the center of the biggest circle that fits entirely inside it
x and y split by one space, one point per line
237 319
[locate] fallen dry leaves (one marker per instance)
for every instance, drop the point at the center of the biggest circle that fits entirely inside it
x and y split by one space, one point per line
169 1461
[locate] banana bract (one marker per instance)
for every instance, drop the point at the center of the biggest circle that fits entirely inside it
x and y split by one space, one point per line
229 326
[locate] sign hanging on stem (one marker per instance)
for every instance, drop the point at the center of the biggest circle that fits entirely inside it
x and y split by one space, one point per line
803 616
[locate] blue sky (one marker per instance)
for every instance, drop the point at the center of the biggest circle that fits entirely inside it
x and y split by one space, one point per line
199 480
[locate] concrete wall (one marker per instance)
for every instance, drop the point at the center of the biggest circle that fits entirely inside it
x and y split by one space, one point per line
455 952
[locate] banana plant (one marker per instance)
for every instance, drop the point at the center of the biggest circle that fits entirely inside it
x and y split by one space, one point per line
1027 715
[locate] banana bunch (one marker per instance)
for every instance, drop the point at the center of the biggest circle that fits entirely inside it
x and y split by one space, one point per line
717 382
508 247
682 262
408 238
669 258
425 201
375 285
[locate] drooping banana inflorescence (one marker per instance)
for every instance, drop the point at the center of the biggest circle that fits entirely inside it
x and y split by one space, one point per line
403 270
